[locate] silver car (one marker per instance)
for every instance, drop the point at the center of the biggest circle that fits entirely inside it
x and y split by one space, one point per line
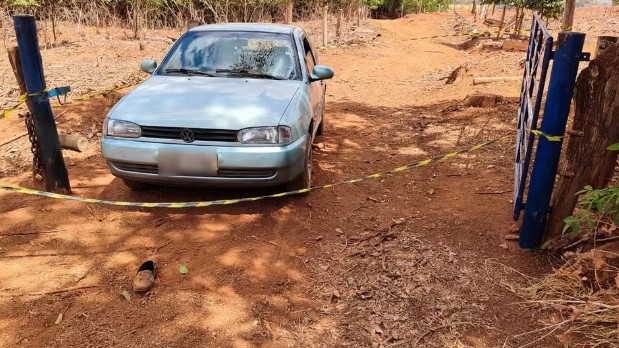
229 105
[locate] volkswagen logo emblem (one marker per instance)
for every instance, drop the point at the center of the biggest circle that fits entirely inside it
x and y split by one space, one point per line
187 135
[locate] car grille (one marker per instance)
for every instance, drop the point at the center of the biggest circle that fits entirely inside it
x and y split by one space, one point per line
200 134
136 167
245 173
224 173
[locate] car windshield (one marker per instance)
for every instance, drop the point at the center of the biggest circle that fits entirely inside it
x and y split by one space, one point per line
233 54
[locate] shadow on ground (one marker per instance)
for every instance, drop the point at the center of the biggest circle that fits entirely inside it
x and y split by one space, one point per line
298 271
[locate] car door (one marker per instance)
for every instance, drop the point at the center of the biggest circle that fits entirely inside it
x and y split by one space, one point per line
316 87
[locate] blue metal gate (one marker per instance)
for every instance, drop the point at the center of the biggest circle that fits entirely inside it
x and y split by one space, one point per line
531 94
547 140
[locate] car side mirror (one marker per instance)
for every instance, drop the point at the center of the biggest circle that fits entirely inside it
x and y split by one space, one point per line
148 66
321 72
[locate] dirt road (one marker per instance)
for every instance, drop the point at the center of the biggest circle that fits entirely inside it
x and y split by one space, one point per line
416 259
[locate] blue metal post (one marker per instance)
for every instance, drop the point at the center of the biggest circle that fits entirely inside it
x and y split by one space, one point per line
558 101
55 172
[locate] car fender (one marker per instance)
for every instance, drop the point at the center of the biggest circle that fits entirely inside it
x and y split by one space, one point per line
298 114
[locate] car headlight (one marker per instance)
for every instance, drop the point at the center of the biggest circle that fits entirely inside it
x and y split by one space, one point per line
124 129
265 135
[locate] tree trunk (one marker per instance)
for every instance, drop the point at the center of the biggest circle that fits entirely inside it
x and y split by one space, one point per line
568 15
289 8
596 116
325 38
73 142
338 27
474 11
53 10
517 17
136 19
498 35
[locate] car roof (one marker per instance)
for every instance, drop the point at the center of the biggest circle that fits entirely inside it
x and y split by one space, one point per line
257 27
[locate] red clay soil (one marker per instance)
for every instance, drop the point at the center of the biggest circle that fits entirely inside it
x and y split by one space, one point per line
417 259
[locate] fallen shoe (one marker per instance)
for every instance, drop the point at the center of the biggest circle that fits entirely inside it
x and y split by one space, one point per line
145 278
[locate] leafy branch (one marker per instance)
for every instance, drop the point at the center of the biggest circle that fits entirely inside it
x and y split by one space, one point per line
598 207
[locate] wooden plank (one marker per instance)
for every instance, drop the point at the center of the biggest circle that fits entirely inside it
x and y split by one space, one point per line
482 80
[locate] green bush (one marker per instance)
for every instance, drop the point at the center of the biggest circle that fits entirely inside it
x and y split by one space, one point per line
597 207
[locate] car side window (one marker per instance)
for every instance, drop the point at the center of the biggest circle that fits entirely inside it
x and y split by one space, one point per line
309 56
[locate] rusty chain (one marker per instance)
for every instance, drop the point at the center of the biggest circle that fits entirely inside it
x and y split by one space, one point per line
37 166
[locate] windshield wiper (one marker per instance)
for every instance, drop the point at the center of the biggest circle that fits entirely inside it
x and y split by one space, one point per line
190 72
250 73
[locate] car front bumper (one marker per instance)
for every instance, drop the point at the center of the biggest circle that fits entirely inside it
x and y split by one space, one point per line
236 166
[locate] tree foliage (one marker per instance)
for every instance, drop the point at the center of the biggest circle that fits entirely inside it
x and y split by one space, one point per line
166 12
546 8
597 208
397 8
169 12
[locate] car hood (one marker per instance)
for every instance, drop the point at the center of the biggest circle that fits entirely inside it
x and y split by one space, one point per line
206 102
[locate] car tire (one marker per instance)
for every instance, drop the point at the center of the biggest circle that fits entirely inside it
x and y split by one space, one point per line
134 185
321 127
304 180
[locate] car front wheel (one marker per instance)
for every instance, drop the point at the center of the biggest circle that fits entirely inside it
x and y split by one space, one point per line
321 126
304 180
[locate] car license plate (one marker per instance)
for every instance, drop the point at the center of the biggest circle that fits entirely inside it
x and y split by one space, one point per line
198 161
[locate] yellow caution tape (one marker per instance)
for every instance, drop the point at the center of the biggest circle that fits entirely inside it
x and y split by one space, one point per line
20 101
98 94
549 137
473 33
22 98
177 205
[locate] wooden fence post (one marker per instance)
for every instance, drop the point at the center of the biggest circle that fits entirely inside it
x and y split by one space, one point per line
15 61
596 116
55 172
289 8
474 10
502 24
325 13
18 71
338 27
568 15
